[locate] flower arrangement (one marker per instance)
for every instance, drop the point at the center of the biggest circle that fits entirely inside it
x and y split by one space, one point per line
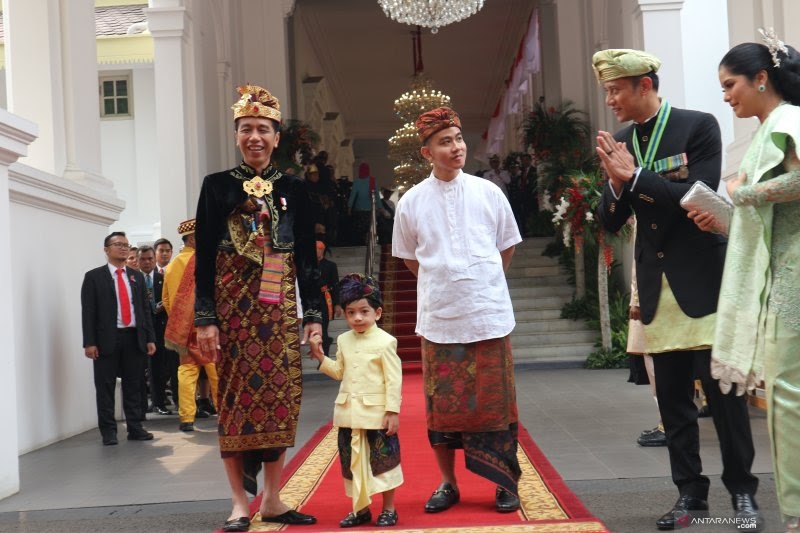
297 146
557 132
574 212
559 137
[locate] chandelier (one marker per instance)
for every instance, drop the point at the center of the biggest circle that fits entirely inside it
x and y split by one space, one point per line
422 97
404 144
431 14
404 149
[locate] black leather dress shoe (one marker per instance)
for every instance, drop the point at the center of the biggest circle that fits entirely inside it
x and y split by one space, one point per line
205 405
140 435
653 438
356 519
186 426
747 512
681 514
162 410
292 518
237 524
504 501
386 518
110 439
442 499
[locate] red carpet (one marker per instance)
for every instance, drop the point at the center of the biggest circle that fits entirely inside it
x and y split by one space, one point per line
313 483
399 291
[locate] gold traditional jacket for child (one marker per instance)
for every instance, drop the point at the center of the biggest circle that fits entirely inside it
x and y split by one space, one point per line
369 369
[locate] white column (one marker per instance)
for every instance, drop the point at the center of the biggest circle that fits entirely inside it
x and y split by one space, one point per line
81 97
662 33
267 20
551 68
34 77
50 82
169 24
572 35
15 136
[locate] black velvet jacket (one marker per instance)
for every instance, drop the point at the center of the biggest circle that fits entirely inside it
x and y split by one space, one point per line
667 241
221 195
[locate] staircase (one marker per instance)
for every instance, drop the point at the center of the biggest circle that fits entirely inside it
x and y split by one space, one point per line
538 288
399 290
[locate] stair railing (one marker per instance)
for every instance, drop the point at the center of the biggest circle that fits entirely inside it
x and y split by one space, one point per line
372 234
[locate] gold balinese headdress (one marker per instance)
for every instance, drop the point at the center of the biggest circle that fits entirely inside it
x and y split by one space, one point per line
256 102
774 45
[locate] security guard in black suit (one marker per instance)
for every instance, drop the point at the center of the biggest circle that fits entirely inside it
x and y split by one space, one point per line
118 336
159 363
651 165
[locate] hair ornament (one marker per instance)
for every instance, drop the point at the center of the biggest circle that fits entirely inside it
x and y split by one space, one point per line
774 45
354 287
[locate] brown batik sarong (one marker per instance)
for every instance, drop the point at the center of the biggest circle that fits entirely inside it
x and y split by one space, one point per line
260 371
470 403
384 451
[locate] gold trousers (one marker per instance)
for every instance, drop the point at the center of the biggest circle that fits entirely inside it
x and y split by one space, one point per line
187 388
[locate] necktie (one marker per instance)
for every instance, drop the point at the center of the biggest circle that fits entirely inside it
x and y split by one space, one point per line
150 294
124 299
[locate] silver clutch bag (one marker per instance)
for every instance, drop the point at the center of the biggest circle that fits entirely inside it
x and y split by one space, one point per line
701 197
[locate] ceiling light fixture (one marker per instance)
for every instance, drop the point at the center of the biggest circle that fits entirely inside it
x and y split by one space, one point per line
431 14
404 144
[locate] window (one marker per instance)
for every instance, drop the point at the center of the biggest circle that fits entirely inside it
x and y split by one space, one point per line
115 97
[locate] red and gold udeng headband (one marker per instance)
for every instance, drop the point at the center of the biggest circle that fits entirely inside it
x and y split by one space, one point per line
435 120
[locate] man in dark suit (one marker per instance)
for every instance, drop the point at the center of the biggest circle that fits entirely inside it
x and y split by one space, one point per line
118 336
521 193
328 280
158 364
678 268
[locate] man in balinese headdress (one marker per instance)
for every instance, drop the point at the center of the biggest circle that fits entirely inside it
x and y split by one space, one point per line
457 233
255 248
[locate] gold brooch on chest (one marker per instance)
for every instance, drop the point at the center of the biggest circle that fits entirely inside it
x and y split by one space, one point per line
257 187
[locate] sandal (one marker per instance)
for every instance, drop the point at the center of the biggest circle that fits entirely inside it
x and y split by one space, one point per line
237 524
387 518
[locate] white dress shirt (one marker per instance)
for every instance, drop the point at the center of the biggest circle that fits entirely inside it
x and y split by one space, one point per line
456 231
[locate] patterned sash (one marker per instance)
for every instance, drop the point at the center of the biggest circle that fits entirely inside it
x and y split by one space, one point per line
180 324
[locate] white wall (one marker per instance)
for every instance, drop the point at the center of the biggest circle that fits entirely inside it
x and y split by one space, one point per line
128 148
55 390
58 230
704 45
3 92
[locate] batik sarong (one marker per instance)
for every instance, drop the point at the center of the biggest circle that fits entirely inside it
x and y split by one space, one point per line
370 462
471 403
260 370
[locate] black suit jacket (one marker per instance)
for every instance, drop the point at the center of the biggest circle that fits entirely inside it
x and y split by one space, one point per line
160 317
667 242
99 309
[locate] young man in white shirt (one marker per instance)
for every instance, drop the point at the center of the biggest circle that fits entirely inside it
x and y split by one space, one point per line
457 233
